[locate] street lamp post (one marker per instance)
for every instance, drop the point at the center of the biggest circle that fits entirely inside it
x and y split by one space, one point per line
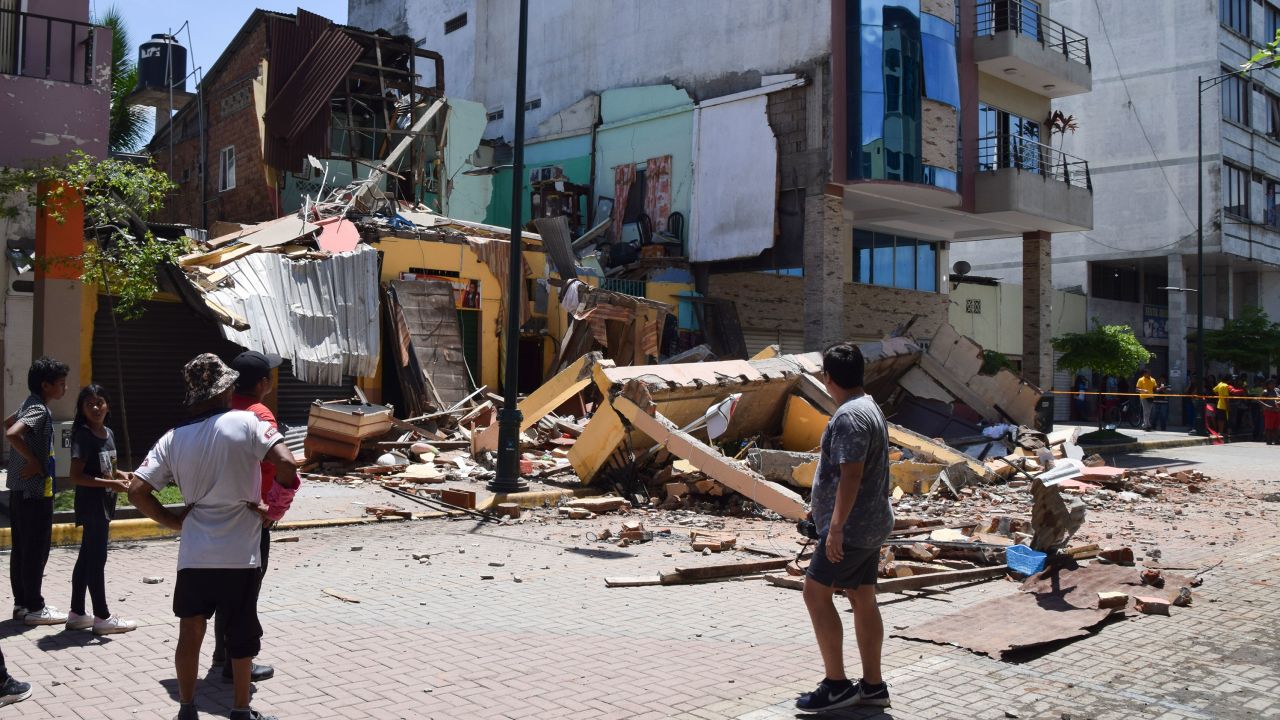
507 478
1201 85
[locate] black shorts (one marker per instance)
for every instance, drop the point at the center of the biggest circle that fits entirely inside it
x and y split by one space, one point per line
860 566
230 592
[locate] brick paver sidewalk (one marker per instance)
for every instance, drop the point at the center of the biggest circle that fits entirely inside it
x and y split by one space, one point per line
433 640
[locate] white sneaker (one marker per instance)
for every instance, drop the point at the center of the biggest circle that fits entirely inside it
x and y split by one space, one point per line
113 625
47 615
19 612
76 621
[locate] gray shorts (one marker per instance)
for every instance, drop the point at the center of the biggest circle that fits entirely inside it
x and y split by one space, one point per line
860 566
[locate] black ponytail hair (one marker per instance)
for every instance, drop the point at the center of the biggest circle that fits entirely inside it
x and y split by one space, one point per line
87 392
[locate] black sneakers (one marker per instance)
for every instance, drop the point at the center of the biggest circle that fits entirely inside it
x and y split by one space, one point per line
187 711
13 691
836 694
257 674
876 695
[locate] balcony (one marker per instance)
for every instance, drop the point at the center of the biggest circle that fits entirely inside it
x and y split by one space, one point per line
45 47
1018 44
1030 186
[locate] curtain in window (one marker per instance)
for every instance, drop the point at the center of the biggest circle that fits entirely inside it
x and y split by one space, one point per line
623 176
657 191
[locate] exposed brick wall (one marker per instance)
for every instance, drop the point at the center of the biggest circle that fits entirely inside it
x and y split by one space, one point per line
252 199
768 302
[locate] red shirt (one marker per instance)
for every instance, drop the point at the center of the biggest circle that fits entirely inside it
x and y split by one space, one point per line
263 413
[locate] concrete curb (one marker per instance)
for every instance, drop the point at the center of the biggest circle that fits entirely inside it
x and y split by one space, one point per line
144 529
1145 445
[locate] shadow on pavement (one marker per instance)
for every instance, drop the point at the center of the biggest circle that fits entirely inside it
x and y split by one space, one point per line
71 639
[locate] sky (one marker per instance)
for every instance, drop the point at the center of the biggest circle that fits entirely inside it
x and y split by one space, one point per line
211 23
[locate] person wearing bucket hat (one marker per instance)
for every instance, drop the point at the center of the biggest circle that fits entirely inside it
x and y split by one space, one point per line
214 460
251 390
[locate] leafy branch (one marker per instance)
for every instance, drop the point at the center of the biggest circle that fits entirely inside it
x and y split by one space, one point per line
116 195
1267 57
1108 349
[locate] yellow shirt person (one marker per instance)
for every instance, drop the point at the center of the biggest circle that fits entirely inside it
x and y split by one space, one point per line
1223 391
1146 386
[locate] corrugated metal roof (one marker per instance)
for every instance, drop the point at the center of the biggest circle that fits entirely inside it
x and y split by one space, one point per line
321 314
309 58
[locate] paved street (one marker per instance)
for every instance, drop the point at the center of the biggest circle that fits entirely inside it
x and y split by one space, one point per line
431 639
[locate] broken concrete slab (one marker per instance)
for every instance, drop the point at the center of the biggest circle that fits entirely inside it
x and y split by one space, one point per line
599 504
708 459
778 465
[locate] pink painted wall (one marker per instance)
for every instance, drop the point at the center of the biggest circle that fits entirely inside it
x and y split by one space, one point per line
45 117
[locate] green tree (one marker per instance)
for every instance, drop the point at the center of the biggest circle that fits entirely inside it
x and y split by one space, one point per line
128 123
1108 349
1250 342
994 361
117 195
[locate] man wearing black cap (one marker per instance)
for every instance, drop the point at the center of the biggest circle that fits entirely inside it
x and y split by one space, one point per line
252 388
214 460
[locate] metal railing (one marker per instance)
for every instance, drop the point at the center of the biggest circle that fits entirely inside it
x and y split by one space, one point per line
634 288
1024 17
36 46
998 152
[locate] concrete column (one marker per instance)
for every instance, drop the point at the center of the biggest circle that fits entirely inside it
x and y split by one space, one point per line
1037 317
1177 327
828 241
57 305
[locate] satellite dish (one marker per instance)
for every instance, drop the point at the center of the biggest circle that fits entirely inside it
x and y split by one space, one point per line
961 268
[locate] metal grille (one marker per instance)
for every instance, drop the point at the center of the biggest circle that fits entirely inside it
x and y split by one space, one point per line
1003 151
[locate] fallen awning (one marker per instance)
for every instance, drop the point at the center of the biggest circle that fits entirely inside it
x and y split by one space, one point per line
322 315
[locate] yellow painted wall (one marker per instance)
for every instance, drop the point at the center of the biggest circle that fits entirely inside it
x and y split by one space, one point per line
400 254
999 326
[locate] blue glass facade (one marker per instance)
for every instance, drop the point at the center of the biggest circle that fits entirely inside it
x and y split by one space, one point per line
897 56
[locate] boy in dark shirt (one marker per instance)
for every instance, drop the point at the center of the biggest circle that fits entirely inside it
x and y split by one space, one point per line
850 507
30 483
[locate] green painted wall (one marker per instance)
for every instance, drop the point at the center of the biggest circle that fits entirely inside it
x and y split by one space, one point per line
572 154
641 123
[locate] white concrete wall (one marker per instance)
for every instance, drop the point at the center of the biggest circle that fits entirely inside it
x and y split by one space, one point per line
583 47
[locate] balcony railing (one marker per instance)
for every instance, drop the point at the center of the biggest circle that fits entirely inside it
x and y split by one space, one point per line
1024 17
40 46
998 152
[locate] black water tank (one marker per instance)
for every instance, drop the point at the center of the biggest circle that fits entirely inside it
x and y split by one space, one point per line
159 60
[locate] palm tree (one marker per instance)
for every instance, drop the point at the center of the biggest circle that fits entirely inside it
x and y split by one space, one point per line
128 122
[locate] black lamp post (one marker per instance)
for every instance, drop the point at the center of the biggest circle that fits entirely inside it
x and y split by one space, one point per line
1201 85
507 479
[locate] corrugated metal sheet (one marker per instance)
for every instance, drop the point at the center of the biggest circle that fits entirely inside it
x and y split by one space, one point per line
309 58
322 315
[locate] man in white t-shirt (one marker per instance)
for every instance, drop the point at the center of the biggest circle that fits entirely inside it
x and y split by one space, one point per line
214 459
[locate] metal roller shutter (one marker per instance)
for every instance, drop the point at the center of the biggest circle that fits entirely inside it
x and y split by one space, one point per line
153 349
757 339
1061 381
294 397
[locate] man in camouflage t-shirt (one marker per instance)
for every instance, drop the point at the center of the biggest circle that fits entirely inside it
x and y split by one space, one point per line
850 506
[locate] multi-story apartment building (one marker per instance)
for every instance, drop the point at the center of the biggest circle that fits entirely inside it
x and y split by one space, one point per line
55 87
1139 264
844 147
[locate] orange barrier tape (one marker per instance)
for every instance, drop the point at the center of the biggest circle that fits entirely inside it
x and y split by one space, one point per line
1162 395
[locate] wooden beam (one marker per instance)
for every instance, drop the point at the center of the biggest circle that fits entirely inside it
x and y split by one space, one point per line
749 567
549 396
710 461
926 449
916 582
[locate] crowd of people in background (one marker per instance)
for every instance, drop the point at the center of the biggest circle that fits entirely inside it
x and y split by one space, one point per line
1235 407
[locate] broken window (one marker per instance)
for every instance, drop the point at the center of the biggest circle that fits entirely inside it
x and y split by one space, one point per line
227 168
